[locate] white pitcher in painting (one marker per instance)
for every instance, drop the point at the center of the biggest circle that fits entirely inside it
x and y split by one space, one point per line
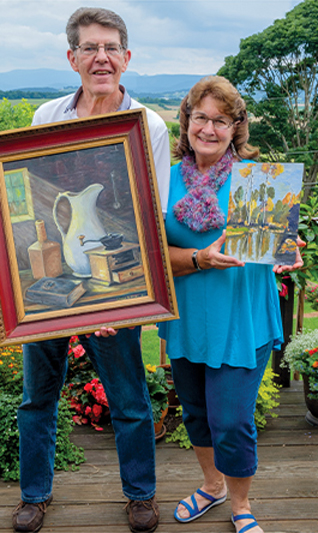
84 221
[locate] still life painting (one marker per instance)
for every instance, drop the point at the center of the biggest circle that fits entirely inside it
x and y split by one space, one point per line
81 243
263 212
82 240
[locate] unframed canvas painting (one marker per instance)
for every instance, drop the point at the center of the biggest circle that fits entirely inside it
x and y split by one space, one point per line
263 212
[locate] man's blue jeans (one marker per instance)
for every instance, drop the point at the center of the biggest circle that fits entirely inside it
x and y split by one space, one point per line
119 365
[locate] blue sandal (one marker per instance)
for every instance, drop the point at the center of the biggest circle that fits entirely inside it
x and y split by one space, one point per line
194 511
242 517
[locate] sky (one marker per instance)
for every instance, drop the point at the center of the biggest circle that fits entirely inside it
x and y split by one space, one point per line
165 36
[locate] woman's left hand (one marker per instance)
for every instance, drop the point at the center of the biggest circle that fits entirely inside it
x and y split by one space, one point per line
278 269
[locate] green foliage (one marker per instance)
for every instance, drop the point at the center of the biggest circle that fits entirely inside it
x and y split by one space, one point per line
308 231
17 116
158 390
11 385
175 130
19 94
266 401
277 71
9 436
180 434
162 102
11 370
301 355
312 296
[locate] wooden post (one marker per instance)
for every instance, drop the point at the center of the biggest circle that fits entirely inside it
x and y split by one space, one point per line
287 311
300 318
163 357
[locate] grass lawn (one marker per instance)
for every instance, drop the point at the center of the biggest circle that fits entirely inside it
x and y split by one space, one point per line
150 346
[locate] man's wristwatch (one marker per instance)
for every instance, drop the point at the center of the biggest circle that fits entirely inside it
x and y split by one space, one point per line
195 260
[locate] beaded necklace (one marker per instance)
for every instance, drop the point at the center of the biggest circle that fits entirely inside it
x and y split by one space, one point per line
199 209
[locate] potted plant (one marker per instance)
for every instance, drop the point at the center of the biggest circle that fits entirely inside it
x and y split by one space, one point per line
301 355
158 391
173 400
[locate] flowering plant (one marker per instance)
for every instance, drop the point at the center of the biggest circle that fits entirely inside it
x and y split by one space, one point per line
301 354
311 295
11 370
84 391
158 390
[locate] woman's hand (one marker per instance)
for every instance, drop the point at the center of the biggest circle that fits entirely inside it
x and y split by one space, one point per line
211 257
278 269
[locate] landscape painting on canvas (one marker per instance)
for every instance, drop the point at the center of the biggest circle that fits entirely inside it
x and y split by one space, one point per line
263 212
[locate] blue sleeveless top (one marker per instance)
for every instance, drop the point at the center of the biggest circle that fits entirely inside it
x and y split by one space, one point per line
225 315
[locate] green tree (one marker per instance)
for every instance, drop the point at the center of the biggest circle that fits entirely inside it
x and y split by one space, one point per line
15 116
277 71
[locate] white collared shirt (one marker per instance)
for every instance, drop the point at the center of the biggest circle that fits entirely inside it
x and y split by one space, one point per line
64 108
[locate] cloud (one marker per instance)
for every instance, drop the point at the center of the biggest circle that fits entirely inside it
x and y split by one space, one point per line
166 36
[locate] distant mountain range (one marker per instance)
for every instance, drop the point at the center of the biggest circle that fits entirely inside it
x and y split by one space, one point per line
136 84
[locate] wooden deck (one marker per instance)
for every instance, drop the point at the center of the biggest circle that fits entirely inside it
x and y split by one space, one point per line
284 493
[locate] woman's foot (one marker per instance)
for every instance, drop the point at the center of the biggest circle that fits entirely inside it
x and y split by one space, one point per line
201 502
244 524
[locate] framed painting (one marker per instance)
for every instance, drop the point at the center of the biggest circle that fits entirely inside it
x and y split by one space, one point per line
263 212
82 238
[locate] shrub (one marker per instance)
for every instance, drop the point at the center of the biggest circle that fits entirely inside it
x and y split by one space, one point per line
11 385
9 436
301 355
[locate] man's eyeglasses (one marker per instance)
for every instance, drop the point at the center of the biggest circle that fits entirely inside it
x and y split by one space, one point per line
110 49
219 123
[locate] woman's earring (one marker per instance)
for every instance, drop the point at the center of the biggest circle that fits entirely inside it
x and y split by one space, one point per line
234 152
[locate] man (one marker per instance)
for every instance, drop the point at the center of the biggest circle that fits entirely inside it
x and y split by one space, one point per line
98 52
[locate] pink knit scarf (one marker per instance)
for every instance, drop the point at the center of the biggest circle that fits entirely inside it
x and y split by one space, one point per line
199 209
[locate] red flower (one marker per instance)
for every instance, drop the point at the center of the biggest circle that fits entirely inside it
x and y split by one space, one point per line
314 350
284 291
78 351
88 387
88 410
97 410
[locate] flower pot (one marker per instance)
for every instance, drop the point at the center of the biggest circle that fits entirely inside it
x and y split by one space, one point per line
158 425
173 399
312 405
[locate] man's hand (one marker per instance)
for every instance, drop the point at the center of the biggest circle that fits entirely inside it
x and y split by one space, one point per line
106 332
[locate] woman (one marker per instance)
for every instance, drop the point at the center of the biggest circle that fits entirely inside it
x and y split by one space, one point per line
229 312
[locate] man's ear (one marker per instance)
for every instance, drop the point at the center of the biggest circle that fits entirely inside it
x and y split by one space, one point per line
127 58
71 56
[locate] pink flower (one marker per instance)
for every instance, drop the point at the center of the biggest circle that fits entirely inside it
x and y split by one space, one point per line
78 351
284 291
88 410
